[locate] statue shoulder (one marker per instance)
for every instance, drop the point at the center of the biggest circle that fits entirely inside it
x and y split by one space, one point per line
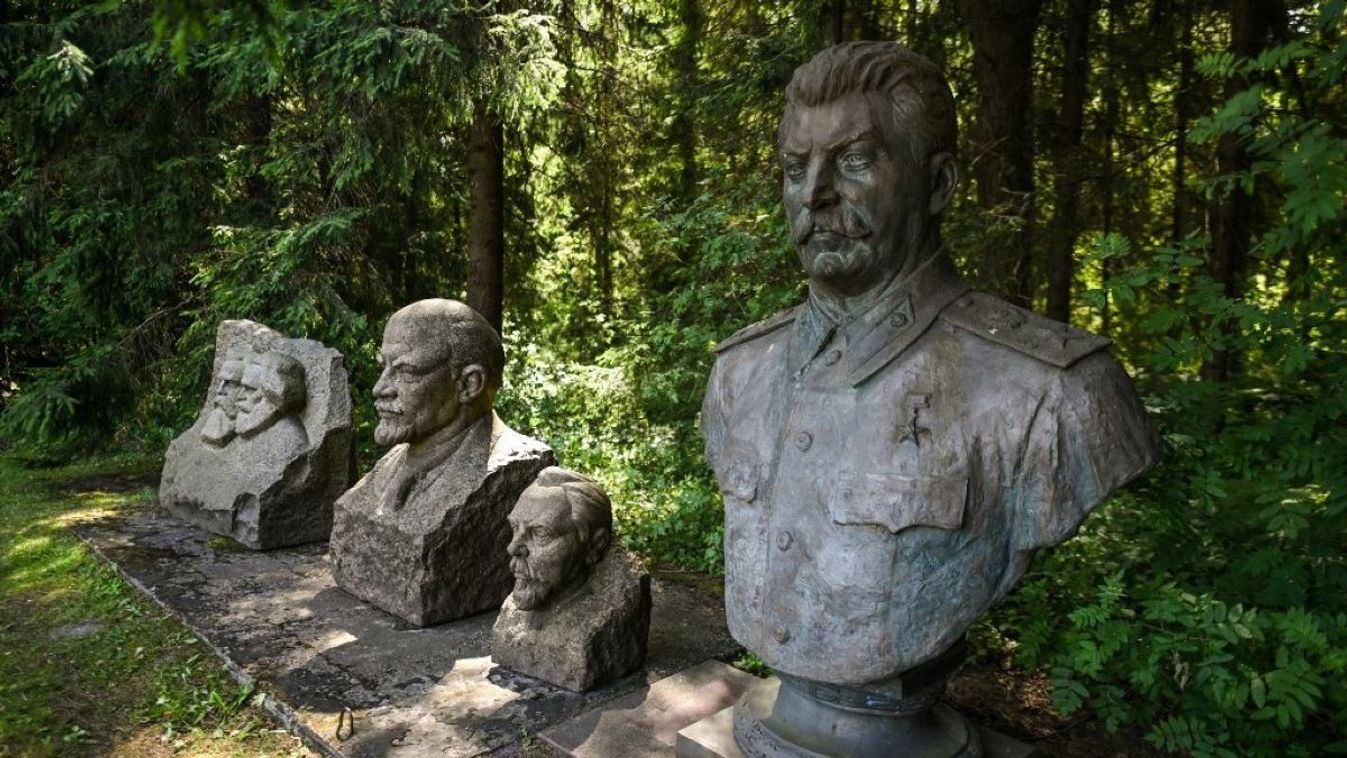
1022 330
760 329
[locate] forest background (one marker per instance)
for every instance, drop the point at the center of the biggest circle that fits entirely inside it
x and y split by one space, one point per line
599 178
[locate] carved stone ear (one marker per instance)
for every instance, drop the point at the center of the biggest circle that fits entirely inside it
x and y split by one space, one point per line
471 383
598 545
944 179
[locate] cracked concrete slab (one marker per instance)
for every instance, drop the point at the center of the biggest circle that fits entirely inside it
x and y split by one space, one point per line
277 619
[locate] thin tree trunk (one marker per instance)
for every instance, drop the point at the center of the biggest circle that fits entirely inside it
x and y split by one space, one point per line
1230 230
1002 33
603 251
1182 95
684 122
1111 108
486 214
1066 160
868 15
834 22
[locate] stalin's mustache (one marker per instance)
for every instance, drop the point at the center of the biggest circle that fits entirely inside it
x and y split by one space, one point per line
842 219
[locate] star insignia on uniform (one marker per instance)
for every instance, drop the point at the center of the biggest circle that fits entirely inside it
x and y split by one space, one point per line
912 430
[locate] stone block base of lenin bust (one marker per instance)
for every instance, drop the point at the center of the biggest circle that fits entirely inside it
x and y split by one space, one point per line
423 535
271 448
892 452
579 615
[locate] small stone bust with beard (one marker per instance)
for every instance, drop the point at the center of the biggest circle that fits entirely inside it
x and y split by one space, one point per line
423 534
579 616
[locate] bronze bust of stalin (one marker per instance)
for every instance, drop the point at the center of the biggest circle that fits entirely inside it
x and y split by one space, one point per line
892 451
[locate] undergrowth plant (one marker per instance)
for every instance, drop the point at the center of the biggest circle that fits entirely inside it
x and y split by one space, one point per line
1209 604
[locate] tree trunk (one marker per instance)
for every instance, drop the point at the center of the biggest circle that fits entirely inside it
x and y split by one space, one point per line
1182 95
869 22
684 122
834 22
486 214
1002 33
1230 230
1066 159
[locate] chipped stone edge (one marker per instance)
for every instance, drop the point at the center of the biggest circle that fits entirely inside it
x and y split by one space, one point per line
286 716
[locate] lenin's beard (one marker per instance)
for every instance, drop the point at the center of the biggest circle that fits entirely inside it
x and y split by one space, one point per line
394 428
835 243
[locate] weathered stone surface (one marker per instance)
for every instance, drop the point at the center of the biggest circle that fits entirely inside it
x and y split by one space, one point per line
591 637
423 534
894 450
271 448
279 621
580 611
441 555
647 722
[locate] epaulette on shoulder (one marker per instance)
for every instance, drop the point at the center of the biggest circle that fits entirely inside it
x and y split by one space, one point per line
753 331
1023 330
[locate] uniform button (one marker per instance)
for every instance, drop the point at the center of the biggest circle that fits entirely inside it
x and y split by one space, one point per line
781 633
831 357
803 440
898 320
783 539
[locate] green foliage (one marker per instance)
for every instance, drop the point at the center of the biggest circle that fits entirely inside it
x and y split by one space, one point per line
1210 604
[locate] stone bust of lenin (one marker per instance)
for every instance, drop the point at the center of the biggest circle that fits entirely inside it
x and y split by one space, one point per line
423 534
892 451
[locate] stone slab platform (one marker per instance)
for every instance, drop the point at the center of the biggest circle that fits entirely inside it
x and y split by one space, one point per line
277 620
646 723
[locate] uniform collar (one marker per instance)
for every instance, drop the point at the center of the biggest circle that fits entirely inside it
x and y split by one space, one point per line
900 313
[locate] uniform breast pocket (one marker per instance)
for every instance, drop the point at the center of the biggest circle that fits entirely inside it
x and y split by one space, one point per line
867 512
895 502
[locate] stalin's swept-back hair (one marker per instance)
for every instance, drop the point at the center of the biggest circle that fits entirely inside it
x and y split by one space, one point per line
909 98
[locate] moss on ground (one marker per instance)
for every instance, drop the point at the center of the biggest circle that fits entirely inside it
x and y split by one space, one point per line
87 667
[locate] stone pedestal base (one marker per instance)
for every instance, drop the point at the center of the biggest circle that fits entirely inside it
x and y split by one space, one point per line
753 728
646 723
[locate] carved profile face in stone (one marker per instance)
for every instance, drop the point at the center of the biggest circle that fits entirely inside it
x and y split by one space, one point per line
866 147
219 428
562 526
442 366
272 388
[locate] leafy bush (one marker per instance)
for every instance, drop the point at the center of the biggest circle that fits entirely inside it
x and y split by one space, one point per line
1209 604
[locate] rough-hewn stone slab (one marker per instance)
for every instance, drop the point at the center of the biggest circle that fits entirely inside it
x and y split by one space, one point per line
271 449
278 618
645 723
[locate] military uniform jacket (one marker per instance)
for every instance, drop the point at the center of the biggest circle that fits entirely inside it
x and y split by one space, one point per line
886 479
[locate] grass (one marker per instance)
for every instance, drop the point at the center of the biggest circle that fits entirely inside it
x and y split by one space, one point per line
87 667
